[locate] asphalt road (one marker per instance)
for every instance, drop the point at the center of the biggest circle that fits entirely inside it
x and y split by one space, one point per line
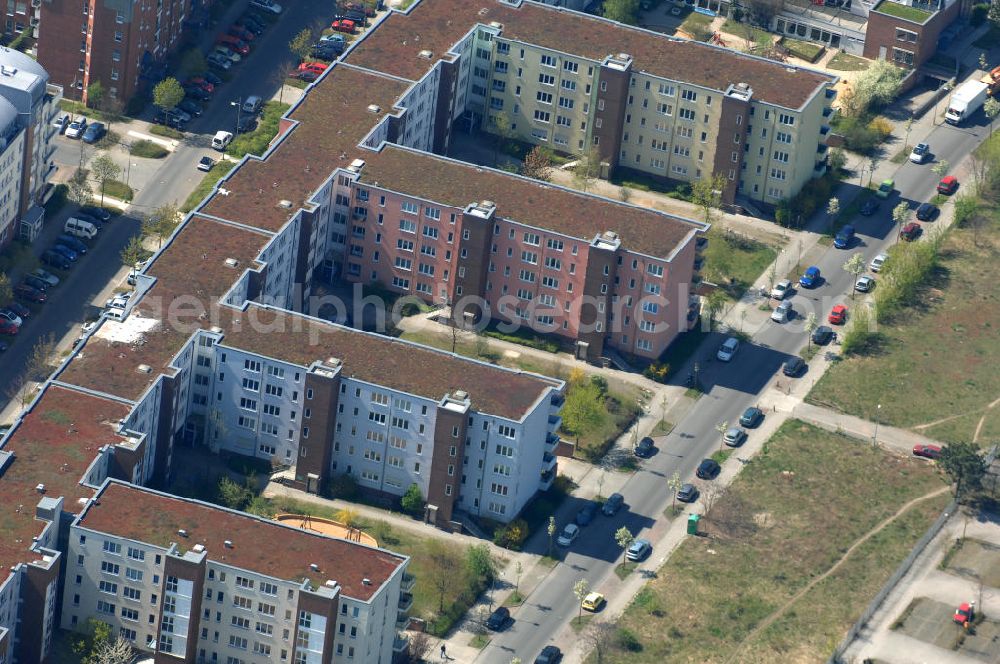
730 388
173 181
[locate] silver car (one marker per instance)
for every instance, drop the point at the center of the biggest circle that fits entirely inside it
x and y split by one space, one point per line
728 349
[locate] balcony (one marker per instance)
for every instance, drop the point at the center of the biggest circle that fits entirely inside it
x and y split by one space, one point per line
699 262
549 461
548 477
400 643
831 93
701 243
558 399
408 582
822 148
405 601
828 111
552 439
824 130
555 421
402 621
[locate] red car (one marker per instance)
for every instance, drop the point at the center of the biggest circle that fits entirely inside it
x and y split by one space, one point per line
343 25
947 185
198 81
234 43
964 615
927 451
242 33
838 315
315 67
30 294
911 231
7 327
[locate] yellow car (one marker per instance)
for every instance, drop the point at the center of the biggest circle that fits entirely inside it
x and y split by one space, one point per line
593 602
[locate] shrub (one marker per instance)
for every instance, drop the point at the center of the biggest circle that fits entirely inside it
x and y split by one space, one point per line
149 150
412 501
169 132
342 486
657 371
882 126
978 14
628 641
512 535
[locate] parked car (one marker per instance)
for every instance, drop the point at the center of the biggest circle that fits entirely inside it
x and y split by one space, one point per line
688 493
927 451
97 212
228 53
911 231
47 277
242 33
26 292
317 67
793 366
19 309
781 289
255 19
195 92
728 349
76 128
948 185
212 78
343 25
201 83
878 262
783 312
639 549
62 122
708 469
56 260
234 43
734 437
206 164
327 50
869 207
191 107
844 237
614 503
308 75
249 26
219 61
9 329
498 619
70 255
822 335
644 448
920 153
927 212
751 417
246 124
886 188
838 315
36 283
358 7
335 37
593 602
864 284
266 5
8 316
810 278
549 655
568 534
94 132
586 513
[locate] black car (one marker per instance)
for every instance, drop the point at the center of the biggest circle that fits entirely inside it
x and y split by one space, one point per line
708 469
308 76
98 213
793 366
212 78
246 124
869 207
19 309
822 335
191 107
55 260
498 619
586 513
549 655
927 212
196 92
36 283
73 243
614 503
645 447
688 493
168 120
751 417
26 292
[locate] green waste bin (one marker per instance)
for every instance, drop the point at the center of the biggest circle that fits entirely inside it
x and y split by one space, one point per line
693 524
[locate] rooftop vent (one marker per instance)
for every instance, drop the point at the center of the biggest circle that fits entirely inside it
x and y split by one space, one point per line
216 329
330 583
223 191
314 567
333 362
366 582
790 70
374 108
461 395
182 532
198 548
425 54
488 204
40 488
232 262
356 165
285 203
144 368
496 24
7 71
229 544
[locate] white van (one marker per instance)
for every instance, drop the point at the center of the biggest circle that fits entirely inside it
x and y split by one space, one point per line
80 228
221 140
252 104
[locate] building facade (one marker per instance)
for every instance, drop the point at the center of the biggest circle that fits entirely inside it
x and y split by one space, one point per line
908 34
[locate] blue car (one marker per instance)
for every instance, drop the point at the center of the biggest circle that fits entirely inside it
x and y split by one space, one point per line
70 255
811 278
844 238
72 243
95 131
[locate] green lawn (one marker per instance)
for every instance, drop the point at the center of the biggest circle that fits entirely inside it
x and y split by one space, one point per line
207 183
804 50
904 12
149 150
745 31
734 262
168 132
115 189
935 365
697 25
788 518
847 62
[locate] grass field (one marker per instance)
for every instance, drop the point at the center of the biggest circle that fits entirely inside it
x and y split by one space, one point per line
697 25
735 262
768 537
934 370
804 50
847 62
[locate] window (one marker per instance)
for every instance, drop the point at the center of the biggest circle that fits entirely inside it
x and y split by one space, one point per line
550 282
272 410
409 207
113 548
686 114
543 116
570 66
248 404
553 263
246 423
689 95
556 245
902 56
654 270
781 156
407 226
786 119
251 365
548 61
783 137
109 568
777 174
133 574
400 423
507 431
499 489
403 263
543 97
105 607
529 257
505 450
108 587
650 307
527 276
251 384
273 390
906 36
378 418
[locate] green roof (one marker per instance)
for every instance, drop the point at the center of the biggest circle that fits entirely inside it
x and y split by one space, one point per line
903 11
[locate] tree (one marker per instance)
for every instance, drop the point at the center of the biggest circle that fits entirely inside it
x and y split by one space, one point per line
480 564
855 266
132 253
95 94
623 11
161 222
706 193
876 86
716 302
192 63
601 639
940 169
79 191
118 651
965 465
900 213
232 494
587 169
518 571
832 211
442 563
674 484
167 94
301 44
420 646
38 367
583 410
624 539
351 519
809 327
550 529
6 292
537 164
983 62
412 501
992 110
104 169
500 127
581 589
762 12
722 427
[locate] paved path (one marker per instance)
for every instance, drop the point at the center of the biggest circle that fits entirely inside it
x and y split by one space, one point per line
894 438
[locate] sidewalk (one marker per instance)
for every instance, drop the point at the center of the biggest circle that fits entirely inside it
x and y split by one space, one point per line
899 440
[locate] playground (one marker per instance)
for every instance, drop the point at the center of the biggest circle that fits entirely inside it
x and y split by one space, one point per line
327 527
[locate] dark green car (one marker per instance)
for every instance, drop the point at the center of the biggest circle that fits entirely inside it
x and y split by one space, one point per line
751 417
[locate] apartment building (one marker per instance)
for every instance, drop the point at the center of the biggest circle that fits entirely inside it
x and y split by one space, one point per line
114 42
28 106
195 583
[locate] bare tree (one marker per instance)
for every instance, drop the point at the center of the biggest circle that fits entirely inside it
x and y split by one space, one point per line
104 170
710 495
161 222
600 638
79 191
581 589
420 646
537 164
674 484
118 651
587 169
38 366
442 563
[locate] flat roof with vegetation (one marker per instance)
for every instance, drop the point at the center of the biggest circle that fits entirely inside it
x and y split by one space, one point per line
904 12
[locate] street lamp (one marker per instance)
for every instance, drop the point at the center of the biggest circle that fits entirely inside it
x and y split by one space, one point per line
878 412
128 167
239 106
